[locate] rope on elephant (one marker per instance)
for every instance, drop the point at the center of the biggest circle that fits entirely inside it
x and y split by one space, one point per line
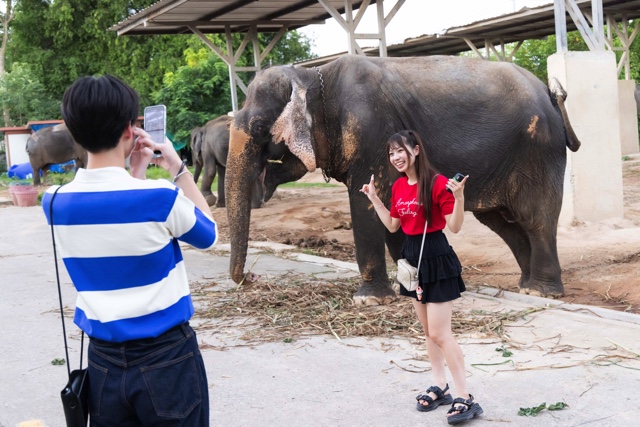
293 305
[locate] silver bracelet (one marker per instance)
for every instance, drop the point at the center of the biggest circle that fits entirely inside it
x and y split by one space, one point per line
180 174
181 171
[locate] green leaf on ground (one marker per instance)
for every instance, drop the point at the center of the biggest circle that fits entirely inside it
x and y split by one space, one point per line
57 361
532 412
505 352
558 406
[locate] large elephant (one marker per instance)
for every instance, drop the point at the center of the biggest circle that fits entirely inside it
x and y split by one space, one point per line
209 149
494 121
52 145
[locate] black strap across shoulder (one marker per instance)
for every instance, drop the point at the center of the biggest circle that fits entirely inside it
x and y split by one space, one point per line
55 260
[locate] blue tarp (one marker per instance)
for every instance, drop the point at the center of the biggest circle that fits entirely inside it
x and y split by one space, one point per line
24 170
21 171
37 127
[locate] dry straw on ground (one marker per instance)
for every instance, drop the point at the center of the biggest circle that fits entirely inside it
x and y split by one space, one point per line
292 305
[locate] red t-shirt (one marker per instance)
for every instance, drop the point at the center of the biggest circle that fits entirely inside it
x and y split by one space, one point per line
404 206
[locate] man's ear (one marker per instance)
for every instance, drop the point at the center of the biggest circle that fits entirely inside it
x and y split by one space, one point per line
128 131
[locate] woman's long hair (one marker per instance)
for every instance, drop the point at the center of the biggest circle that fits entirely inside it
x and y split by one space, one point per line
408 139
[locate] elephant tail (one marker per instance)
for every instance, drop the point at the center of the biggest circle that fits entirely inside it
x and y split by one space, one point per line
558 95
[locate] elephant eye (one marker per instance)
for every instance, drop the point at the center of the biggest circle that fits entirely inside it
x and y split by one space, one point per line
260 128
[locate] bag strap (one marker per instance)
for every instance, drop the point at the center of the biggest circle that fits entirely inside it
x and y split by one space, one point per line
55 260
424 235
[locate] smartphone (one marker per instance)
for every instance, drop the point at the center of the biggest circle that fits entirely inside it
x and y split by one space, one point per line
458 178
155 123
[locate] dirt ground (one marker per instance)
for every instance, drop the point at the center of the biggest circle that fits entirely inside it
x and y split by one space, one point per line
600 261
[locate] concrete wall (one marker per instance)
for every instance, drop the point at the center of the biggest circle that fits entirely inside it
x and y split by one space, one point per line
628 117
16 148
593 179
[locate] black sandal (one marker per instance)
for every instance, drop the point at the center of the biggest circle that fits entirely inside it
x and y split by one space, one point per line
466 412
441 398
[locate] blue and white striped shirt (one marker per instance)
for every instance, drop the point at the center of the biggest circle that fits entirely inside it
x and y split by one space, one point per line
118 237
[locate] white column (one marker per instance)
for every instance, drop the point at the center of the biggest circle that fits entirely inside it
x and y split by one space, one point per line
628 117
593 179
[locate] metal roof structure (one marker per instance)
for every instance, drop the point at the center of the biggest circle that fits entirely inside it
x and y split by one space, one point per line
202 17
175 16
525 24
494 35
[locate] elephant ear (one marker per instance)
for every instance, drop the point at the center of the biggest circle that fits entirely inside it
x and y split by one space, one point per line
294 127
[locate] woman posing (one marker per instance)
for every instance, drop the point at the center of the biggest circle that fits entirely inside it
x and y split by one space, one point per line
419 195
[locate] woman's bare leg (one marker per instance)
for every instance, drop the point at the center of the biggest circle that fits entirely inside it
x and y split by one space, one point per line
436 357
439 322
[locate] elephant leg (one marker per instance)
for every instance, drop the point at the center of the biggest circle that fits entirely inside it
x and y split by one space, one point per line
36 174
534 247
514 236
546 274
196 171
221 199
369 237
208 175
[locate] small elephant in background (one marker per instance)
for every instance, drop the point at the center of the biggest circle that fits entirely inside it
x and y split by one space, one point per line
52 145
209 148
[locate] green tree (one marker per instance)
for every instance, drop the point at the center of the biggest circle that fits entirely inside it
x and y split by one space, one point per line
194 93
533 54
24 94
200 90
6 16
66 39
62 40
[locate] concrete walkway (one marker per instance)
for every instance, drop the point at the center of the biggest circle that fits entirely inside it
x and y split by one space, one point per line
584 357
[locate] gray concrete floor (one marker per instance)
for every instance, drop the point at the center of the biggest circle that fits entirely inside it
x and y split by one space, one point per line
564 353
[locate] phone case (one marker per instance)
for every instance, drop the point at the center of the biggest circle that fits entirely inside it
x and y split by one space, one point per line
155 122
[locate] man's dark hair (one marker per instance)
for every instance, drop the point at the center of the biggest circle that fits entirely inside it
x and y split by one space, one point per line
97 110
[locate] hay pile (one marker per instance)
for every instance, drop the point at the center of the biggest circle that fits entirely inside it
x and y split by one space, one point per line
293 305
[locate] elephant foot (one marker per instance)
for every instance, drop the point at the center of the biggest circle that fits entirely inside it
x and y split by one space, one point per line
211 199
221 204
541 289
374 294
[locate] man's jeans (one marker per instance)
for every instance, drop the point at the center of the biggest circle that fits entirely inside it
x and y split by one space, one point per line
149 382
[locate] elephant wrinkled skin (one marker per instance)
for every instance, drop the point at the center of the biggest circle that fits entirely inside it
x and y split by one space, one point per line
209 148
52 145
494 121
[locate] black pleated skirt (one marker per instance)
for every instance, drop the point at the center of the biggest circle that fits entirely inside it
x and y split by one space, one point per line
440 269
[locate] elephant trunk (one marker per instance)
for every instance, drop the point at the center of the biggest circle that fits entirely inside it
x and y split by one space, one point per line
238 185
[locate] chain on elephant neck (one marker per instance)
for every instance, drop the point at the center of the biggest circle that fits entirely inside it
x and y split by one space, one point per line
326 171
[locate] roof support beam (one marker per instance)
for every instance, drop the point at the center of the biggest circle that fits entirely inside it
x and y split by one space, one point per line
593 37
350 23
626 39
231 59
489 46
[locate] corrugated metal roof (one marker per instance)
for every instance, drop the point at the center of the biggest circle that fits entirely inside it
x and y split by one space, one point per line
525 24
211 16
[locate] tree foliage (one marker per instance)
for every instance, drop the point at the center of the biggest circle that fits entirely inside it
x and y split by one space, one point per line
194 93
25 95
62 40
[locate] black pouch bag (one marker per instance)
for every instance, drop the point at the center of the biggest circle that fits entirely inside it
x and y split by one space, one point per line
75 398
75 395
